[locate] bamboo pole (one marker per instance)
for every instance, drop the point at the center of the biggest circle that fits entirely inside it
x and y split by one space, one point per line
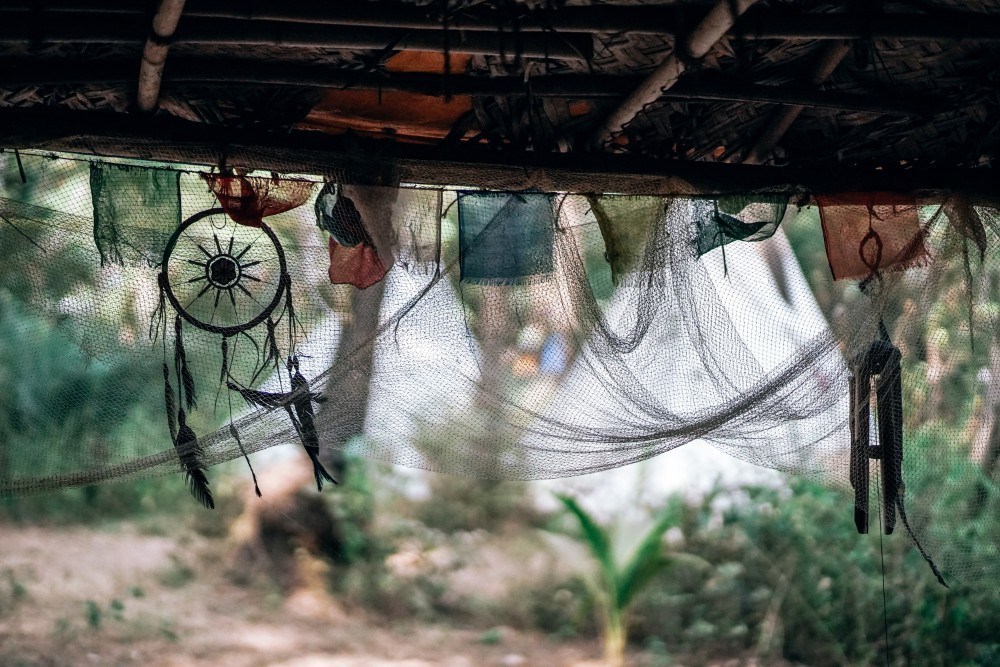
154 55
638 19
711 29
782 120
238 72
87 29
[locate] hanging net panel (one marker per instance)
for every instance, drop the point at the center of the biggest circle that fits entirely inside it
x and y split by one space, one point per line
186 319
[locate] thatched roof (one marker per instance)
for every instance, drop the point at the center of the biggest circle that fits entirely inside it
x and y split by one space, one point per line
846 89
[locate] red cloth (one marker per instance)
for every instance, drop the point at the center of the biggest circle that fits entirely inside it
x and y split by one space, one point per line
359 266
250 199
867 232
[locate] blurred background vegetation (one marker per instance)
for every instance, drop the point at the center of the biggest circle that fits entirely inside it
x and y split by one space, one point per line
781 576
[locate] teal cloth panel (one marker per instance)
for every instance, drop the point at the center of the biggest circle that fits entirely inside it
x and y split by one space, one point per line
135 212
505 238
739 218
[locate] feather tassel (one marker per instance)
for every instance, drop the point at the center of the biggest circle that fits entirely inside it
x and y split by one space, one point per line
189 452
290 310
225 360
183 373
259 399
302 401
168 399
273 355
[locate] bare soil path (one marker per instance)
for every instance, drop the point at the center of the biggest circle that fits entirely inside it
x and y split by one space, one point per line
118 596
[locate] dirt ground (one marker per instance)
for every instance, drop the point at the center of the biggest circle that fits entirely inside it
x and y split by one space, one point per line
118 596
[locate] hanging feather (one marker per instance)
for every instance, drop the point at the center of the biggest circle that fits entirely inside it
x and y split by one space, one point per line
298 404
885 360
260 399
271 352
290 310
302 401
189 452
168 399
180 362
225 360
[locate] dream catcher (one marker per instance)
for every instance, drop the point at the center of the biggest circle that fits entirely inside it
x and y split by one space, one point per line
226 276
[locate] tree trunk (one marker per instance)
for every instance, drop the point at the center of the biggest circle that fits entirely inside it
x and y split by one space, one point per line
350 387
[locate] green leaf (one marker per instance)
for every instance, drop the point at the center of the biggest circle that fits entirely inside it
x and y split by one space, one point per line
596 539
646 562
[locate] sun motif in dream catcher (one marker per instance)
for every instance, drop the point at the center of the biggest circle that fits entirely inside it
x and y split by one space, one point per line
225 278
230 279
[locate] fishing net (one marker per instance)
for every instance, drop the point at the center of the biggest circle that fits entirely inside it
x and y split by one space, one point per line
519 335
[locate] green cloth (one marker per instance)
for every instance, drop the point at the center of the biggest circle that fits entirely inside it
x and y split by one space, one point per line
135 212
739 218
505 238
626 223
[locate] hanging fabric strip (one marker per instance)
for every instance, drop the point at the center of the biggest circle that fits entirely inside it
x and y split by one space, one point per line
626 223
870 232
351 215
250 199
739 218
505 238
359 266
135 211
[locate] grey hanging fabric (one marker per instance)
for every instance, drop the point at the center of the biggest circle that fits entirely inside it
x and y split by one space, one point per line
135 211
739 218
506 238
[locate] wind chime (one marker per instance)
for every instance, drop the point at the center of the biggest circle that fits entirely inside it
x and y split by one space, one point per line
877 372
879 367
224 272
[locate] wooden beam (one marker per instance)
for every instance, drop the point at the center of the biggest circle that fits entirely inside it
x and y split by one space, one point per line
711 29
129 29
237 72
831 56
173 140
154 54
674 19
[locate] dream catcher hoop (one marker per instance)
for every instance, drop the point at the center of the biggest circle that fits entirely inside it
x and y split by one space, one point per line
223 277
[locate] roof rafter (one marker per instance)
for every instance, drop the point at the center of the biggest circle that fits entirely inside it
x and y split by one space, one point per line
830 56
675 19
711 29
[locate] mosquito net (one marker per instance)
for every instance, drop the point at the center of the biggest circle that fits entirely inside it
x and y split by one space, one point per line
506 335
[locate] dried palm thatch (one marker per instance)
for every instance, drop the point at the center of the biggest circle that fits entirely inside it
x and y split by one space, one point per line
914 85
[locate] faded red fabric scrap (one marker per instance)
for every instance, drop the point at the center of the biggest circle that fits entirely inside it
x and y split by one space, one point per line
867 232
359 266
250 199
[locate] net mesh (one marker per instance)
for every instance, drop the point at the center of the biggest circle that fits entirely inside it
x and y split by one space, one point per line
518 336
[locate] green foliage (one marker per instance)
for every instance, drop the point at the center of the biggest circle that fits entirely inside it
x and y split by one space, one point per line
791 577
491 637
352 506
176 575
92 612
618 585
